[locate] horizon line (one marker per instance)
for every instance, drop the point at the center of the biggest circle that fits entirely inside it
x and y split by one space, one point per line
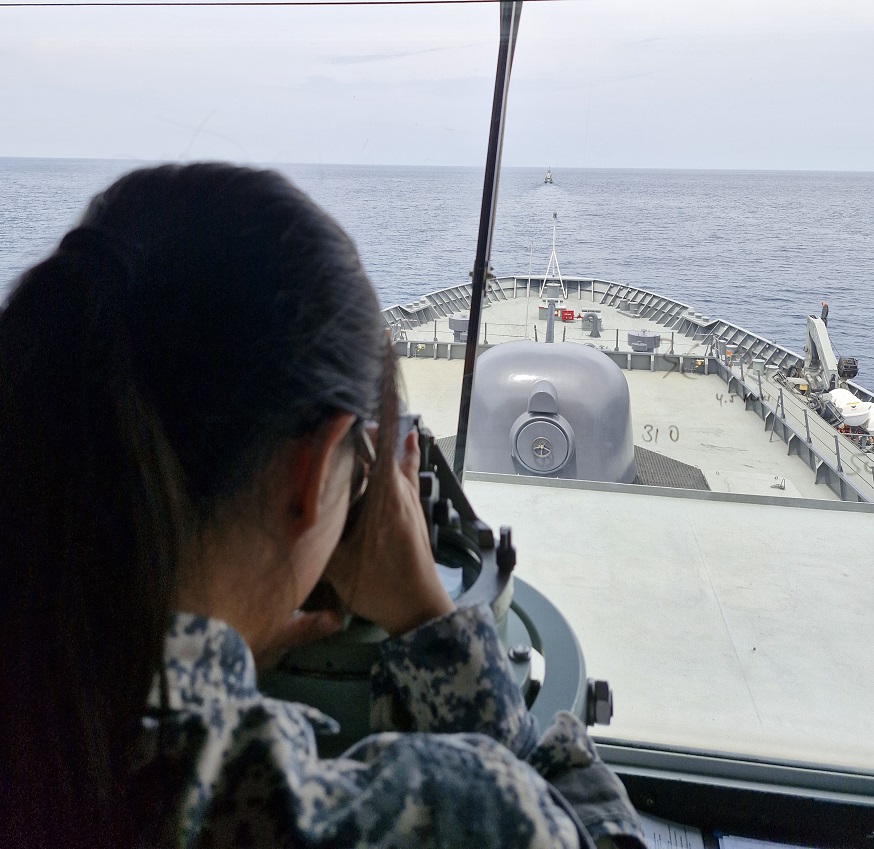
270 163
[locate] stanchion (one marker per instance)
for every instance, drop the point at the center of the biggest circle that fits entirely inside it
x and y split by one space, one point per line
838 452
806 425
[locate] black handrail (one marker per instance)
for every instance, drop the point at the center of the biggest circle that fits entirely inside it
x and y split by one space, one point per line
511 10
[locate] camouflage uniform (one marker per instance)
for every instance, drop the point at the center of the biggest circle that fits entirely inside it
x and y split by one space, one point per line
227 766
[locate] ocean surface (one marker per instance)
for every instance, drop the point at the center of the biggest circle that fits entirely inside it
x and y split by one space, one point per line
759 248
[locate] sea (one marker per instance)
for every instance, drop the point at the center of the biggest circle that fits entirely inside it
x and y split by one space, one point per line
761 249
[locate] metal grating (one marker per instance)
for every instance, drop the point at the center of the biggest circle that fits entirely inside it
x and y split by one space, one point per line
655 469
446 444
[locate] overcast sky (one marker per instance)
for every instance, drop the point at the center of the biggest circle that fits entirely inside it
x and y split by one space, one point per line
609 83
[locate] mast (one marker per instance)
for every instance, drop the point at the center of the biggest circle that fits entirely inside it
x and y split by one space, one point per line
553 260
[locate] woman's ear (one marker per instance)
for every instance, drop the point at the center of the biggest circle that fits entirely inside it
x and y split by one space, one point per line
305 474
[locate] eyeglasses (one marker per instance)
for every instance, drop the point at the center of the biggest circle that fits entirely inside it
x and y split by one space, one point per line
364 458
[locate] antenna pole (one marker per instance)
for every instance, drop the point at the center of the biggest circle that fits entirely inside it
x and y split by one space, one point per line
553 259
511 10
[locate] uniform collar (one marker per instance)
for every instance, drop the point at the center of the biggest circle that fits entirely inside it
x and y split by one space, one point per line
207 663
205 660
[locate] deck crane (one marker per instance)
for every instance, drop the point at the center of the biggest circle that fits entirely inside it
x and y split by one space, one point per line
827 377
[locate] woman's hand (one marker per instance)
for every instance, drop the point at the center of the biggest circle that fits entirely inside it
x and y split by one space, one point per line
384 570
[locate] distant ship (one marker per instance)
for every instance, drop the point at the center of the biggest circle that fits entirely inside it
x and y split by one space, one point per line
548 177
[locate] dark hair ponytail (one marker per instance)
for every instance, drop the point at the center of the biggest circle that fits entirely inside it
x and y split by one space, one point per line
90 516
199 317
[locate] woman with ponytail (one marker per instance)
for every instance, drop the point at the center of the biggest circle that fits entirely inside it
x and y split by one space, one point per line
183 386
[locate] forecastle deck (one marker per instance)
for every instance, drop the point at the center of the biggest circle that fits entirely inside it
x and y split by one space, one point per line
688 396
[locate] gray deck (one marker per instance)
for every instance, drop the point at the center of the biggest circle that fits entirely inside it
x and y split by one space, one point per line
746 433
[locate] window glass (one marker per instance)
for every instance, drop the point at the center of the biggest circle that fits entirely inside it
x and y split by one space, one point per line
704 525
722 194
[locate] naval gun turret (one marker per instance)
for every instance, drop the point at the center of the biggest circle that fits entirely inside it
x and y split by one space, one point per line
560 411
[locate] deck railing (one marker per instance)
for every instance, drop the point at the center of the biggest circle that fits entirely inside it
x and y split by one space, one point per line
842 461
412 322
